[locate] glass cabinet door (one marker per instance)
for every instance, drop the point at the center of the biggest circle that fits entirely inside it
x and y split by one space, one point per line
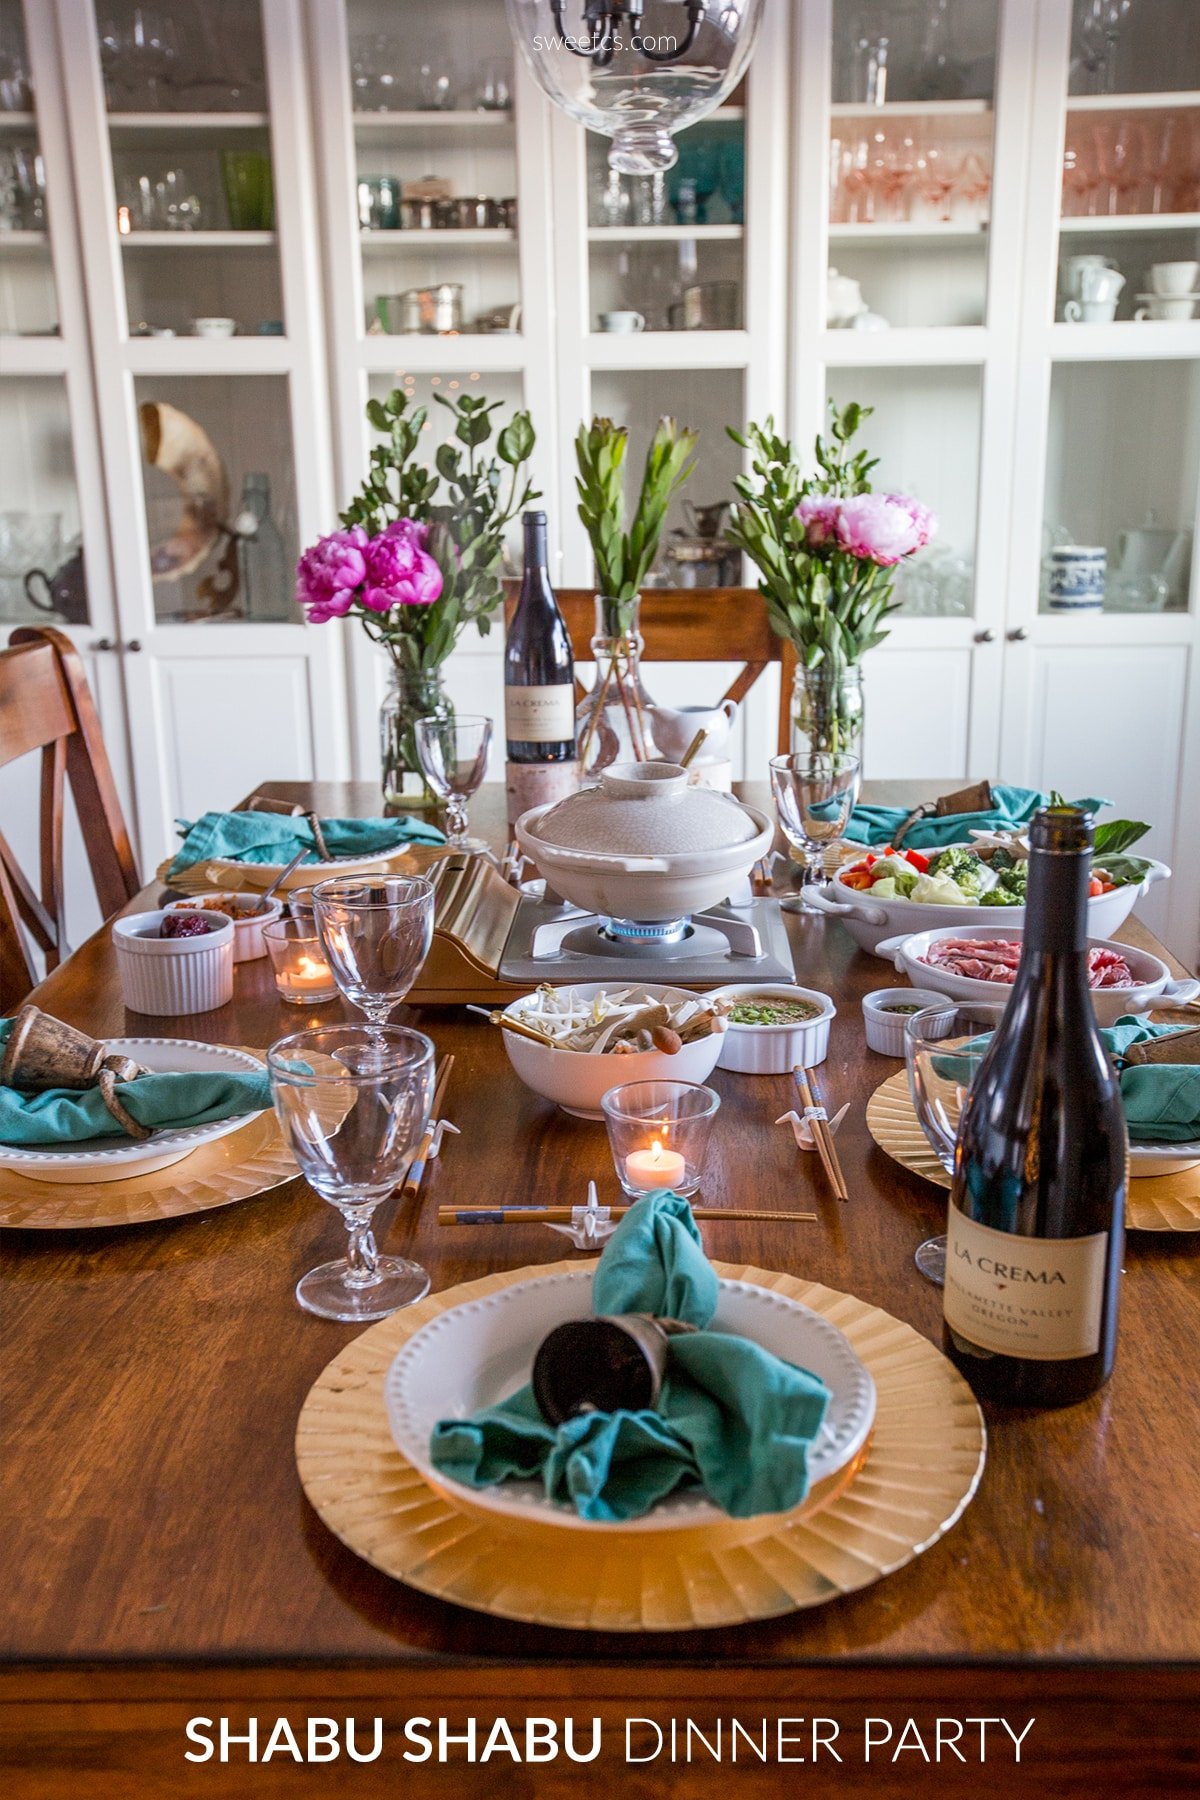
1129 234
28 303
666 251
910 163
432 91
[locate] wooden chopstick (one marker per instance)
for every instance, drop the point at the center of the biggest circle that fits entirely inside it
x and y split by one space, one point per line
516 1026
416 1168
563 1215
822 1136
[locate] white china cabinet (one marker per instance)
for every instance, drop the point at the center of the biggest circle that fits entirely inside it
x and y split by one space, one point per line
434 224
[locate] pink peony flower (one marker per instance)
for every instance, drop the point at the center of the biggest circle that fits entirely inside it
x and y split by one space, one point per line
819 516
329 573
884 528
399 569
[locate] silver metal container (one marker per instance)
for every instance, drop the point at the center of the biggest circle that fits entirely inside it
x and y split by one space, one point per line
422 310
418 215
474 212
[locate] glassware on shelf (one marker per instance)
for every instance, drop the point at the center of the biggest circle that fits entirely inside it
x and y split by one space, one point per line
1081 184
1099 27
940 180
942 73
249 190
650 199
267 593
494 93
16 89
436 89
138 51
815 792
973 195
353 1105
161 202
376 931
733 178
694 180
22 189
1118 163
612 202
454 752
1161 139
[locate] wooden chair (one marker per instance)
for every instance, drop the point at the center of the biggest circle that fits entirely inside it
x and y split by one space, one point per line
696 625
46 705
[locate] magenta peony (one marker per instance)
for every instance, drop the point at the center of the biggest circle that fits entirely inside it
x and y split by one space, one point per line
329 573
399 568
884 528
819 516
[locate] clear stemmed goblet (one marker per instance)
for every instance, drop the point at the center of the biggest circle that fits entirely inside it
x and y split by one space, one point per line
452 749
815 792
353 1103
376 931
943 1049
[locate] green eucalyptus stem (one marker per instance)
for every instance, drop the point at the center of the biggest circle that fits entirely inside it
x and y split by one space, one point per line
624 559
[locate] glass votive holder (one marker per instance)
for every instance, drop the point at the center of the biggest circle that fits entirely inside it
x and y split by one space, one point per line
302 973
658 1134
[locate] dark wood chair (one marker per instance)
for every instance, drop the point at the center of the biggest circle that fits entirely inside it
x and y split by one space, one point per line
696 625
46 704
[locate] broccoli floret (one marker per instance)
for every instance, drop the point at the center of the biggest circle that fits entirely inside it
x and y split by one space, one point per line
962 867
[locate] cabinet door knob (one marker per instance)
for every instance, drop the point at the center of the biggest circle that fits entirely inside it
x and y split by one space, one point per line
985 637
1018 636
104 644
134 644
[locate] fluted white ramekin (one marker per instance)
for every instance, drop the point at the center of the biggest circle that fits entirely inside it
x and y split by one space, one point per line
248 943
774 1049
885 1030
173 975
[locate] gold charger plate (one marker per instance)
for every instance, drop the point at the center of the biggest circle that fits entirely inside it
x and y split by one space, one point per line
247 1162
921 1468
1154 1202
222 877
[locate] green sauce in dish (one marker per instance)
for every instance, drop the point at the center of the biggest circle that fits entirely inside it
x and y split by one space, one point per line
773 1012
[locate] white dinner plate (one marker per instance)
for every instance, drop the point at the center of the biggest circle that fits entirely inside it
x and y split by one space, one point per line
1162 1159
113 1159
480 1353
221 871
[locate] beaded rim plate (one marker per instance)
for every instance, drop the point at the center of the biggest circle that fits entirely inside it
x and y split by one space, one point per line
1153 1203
474 1354
223 876
247 1162
921 1468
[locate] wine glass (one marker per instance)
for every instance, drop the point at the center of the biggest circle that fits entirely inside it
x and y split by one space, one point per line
376 931
943 1049
815 792
452 749
353 1103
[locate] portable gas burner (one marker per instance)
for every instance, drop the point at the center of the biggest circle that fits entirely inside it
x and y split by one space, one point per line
549 940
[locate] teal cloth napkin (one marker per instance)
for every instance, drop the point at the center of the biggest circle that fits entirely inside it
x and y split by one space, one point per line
731 1418
253 837
1162 1100
163 1102
1014 809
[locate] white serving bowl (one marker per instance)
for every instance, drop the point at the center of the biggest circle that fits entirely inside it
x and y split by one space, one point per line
884 1029
577 1082
1154 984
177 976
868 921
642 843
248 942
479 1353
774 1049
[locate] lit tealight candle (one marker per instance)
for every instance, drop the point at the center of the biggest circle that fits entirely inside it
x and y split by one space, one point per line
302 975
654 1168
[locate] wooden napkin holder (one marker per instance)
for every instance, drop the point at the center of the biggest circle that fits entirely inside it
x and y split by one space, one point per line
975 799
1180 1047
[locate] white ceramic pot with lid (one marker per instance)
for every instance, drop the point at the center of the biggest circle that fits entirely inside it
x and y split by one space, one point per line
642 844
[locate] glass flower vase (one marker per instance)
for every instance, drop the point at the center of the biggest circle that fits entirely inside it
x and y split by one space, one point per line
412 694
613 722
827 710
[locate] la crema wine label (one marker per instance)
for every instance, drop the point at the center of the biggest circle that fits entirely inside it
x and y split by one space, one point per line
1039 1298
540 715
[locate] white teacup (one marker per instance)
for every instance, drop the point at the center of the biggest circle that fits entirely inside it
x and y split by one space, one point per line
675 727
1173 277
1099 284
624 324
214 327
1073 270
1090 312
1168 306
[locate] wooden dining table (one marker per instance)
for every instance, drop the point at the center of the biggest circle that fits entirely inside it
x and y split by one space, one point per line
162 1562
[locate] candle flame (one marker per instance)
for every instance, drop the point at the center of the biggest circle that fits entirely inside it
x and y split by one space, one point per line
656 1152
309 967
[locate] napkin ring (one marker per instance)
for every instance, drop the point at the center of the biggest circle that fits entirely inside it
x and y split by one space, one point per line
44 1052
613 1363
107 1081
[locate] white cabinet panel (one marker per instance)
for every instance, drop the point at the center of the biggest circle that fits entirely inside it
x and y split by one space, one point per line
1135 763
227 722
918 704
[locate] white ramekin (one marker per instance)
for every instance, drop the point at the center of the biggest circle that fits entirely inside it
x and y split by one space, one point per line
247 928
774 1049
885 1030
173 975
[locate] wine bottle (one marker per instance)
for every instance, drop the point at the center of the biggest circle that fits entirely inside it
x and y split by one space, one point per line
1036 1220
539 686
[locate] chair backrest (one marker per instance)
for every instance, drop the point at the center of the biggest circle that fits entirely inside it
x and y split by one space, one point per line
696 625
46 705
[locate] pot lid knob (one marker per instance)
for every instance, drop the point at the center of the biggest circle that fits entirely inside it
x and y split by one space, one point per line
644 781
